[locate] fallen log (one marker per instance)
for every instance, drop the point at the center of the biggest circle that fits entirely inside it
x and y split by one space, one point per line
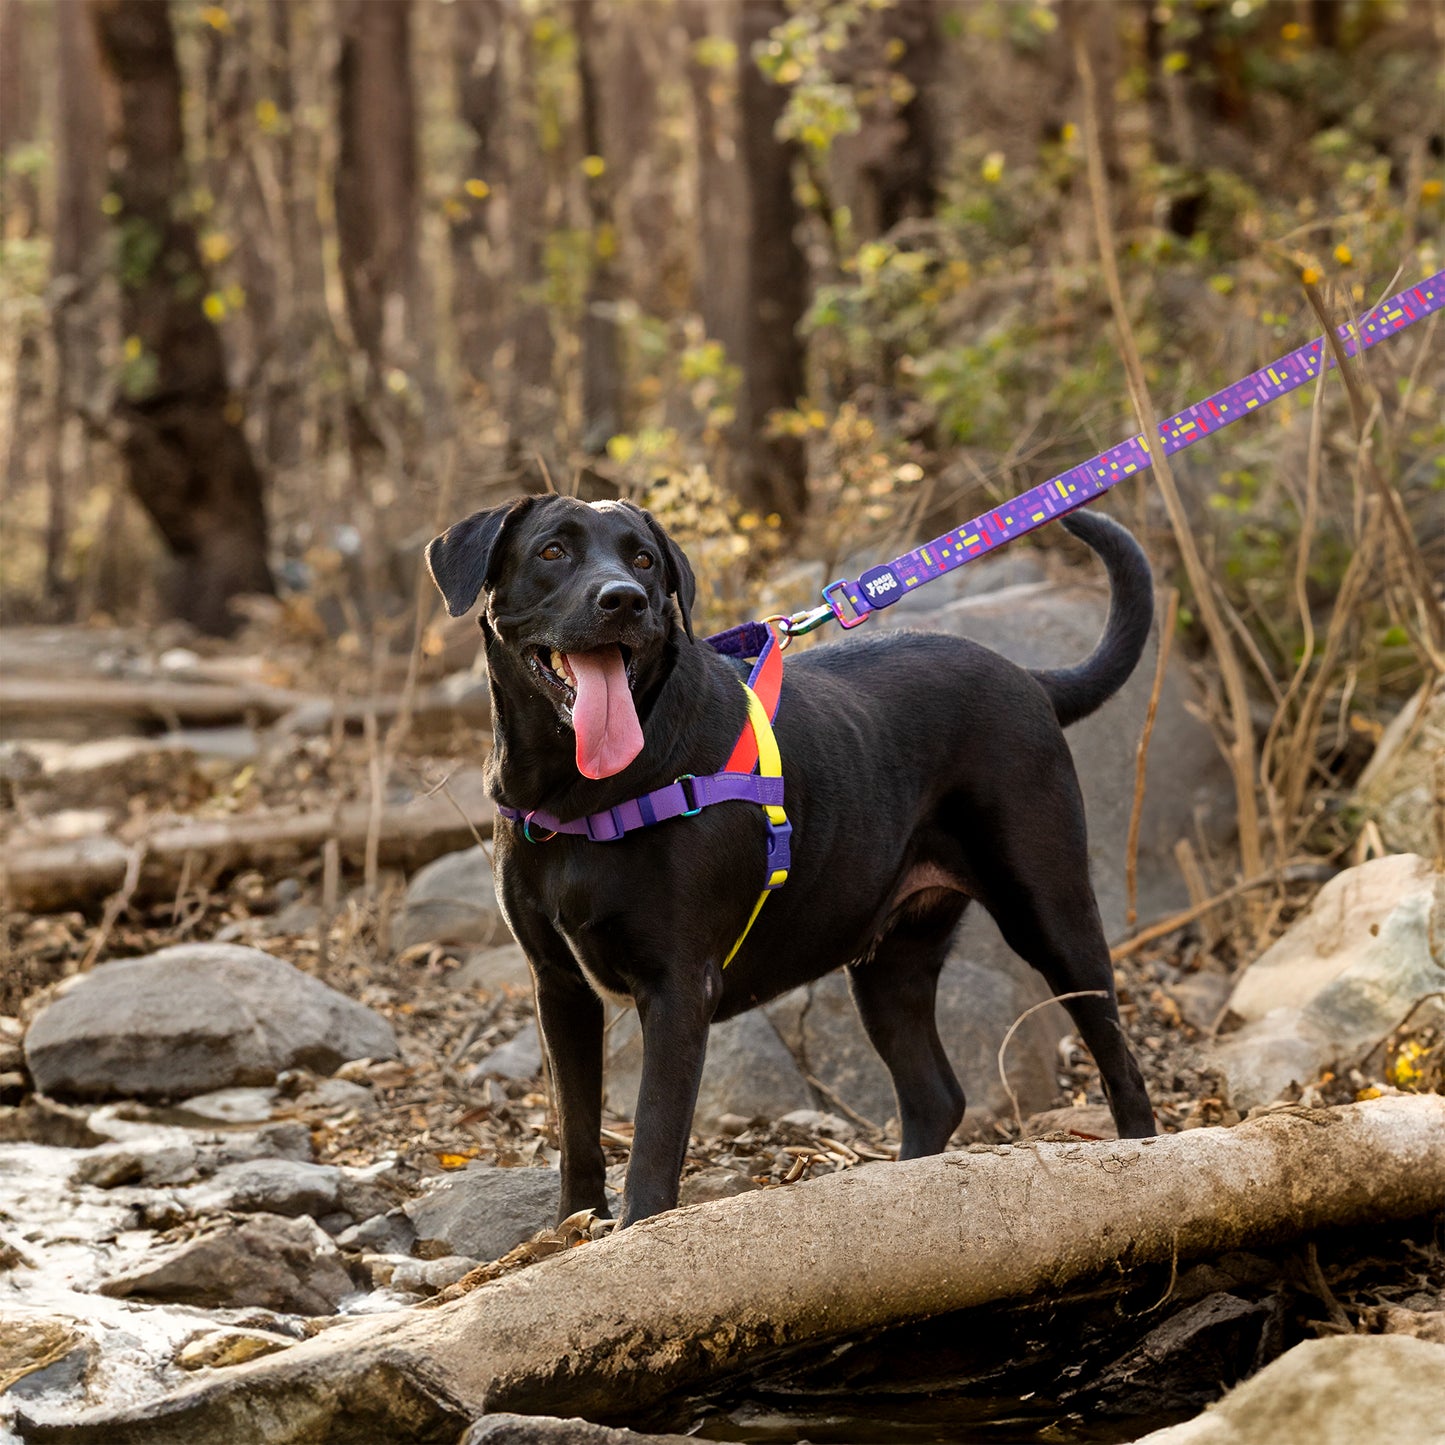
68 875
700 1294
47 702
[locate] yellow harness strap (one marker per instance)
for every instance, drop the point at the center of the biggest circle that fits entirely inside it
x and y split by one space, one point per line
770 765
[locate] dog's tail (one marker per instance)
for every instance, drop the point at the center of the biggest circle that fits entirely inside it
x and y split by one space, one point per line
1077 691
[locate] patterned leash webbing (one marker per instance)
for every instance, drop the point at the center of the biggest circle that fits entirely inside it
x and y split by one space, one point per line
878 587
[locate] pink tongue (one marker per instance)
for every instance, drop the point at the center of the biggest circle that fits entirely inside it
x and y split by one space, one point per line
603 717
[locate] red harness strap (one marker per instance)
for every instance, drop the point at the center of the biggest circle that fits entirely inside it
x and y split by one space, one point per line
767 682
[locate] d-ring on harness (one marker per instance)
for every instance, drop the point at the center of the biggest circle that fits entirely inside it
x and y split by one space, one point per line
756 748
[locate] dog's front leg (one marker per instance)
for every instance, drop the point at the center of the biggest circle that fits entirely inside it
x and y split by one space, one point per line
675 1015
569 1016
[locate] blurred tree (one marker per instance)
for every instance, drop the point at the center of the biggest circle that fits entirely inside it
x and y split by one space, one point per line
77 261
531 405
187 459
601 354
478 292
376 191
773 476
19 113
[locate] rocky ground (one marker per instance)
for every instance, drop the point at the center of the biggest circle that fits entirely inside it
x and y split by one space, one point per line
240 1105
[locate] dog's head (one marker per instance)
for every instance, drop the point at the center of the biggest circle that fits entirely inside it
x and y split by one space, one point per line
581 596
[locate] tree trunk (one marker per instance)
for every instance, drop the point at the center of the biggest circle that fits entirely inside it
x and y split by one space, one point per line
478 288
601 352
531 400
376 208
704 1294
187 459
773 477
19 111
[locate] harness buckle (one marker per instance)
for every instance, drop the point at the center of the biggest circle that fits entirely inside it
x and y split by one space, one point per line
836 596
689 795
613 816
780 853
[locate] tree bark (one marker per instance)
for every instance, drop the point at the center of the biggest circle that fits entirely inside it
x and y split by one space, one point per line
19 112
376 177
531 401
187 459
773 477
601 350
705 1293
478 288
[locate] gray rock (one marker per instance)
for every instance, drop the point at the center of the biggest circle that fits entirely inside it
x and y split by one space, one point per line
267 1261
451 900
232 1106
748 1071
519 1058
709 1184
427 1276
390 1233
1085 1121
1338 982
494 971
552 1430
42 1121
1397 789
337 1096
269 1186
195 1018
1338 1391
114 1165
218 1349
482 1211
816 1123
35 1350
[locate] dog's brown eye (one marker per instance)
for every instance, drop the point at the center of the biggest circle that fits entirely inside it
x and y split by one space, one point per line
552 552
642 561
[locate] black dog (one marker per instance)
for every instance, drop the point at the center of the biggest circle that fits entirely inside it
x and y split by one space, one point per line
922 771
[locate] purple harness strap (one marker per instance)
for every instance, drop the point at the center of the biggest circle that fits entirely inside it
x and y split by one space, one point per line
680 799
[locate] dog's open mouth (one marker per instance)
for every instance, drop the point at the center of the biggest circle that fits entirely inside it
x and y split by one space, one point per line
595 692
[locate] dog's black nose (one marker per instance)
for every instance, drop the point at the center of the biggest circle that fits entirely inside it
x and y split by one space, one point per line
622 596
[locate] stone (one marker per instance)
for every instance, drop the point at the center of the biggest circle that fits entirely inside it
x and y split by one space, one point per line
269 1186
332 1097
494 971
816 1123
219 1348
265 1260
748 1070
1345 917
114 1165
1338 982
519 1058
1397 788
42 1121
1201 997
1087 1121
32 1344
451 900
233 1106
427 1276
552 1430
483 1211
391 1233
1343 1390
192 1019
709 1184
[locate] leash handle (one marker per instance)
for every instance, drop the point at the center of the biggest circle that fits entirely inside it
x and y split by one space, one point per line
881 586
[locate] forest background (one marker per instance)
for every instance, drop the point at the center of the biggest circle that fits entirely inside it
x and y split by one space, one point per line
288 286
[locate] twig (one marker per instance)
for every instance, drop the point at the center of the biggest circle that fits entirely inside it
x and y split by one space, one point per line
115 905
1188 915
842 1107
1013 1029
1141 757
1241 755
1409 1014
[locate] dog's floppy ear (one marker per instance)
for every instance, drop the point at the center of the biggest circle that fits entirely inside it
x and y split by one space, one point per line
677 571
462 560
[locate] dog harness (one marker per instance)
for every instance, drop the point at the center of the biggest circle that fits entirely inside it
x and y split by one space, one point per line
753 773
